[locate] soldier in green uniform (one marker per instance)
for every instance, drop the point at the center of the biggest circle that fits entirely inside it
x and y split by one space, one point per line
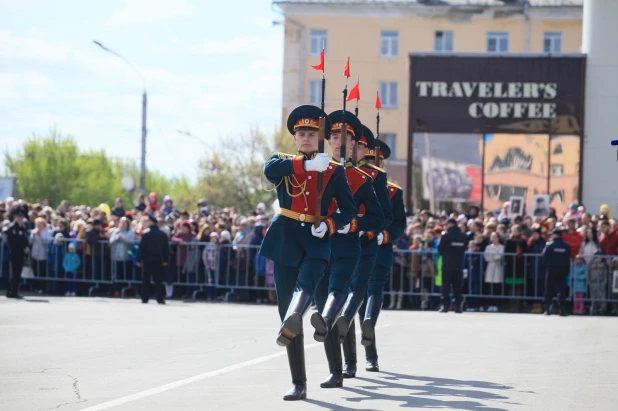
345 247
384 263
369 251
300 250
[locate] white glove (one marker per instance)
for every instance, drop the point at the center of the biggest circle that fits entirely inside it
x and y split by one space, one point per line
345 229
380 238
319 163
360 233
320 231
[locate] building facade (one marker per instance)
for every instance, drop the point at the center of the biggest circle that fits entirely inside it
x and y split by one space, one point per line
378 35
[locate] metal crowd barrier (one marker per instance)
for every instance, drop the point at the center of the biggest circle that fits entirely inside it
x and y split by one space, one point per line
238 273
416 274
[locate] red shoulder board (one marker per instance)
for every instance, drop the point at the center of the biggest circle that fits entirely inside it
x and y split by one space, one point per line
371 171
392 189
356 178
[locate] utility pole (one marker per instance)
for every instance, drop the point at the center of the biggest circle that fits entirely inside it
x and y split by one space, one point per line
142 176
142 172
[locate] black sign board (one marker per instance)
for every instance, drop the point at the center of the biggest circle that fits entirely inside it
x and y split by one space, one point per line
483 93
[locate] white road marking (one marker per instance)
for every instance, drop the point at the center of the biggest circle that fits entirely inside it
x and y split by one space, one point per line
134 397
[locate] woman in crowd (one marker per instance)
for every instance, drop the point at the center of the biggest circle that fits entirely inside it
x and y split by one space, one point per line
494 275
121 240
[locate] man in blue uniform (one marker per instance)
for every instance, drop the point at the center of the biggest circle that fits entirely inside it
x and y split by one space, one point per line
345 244
384 263
299 250
19 246
557 259
369 252
452 248
152 256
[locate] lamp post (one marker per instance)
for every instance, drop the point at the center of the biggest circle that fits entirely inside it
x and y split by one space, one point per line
142 176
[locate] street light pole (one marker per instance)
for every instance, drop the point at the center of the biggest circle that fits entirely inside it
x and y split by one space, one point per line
142 176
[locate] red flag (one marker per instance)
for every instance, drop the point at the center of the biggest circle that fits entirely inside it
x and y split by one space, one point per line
346 69
354 93
378 102
321 65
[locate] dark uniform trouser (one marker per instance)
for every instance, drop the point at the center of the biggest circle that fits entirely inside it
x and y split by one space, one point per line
453 278
16 267
362 273
555 280
157 271
305 277
337 278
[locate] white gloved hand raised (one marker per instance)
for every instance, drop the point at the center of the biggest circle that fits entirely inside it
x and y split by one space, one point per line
345 229
360 233
320 231
380 238
319 163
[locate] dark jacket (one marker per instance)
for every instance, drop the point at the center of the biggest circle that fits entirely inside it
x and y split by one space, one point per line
557 255
17 240
154 246
452 248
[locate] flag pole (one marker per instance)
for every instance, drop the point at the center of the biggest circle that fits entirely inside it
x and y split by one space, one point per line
377 148
344 126
354 156
321 135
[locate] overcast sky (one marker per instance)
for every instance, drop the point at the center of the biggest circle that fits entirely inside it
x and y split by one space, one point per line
212 68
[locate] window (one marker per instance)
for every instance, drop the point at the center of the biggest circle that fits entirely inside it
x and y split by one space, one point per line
388 94
443 41
391 141
557 149
317 39
389 44
497 42
552 42
557 170
315 92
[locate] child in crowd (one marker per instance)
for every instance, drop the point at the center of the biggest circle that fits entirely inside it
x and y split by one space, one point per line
209 257
71 263
578 284
473 270
597 281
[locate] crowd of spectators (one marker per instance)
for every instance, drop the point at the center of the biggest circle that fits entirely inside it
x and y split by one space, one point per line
99 244
504 268
215 252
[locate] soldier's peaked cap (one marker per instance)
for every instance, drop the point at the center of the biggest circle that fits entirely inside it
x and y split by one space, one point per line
367 138
307 116
353 124
385 151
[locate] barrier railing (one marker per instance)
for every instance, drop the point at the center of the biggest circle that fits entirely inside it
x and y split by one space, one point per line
239 273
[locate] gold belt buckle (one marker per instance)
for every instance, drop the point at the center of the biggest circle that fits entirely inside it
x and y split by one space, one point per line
302 217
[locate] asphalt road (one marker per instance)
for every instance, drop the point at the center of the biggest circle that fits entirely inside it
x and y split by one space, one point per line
95 354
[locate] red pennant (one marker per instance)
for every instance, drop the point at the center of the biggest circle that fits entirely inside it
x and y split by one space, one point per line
321 65
378 102
346 69
354 93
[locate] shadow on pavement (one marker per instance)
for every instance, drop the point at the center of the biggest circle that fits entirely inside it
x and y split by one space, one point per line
424 395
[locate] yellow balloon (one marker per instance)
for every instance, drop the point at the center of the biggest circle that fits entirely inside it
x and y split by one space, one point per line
105 208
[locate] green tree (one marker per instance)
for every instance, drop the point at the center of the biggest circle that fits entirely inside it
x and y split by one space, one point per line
232 175
53 168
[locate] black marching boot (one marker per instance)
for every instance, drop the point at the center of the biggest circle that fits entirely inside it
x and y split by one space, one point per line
371 355
351 307
296 357
323 323
372 311
333 355
349 353
293 323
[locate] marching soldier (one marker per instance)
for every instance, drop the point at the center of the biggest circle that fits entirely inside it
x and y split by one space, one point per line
345 244
19 246
369 252
384 262
299 250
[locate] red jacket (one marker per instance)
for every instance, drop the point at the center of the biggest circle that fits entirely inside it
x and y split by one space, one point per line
574 240
609 243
